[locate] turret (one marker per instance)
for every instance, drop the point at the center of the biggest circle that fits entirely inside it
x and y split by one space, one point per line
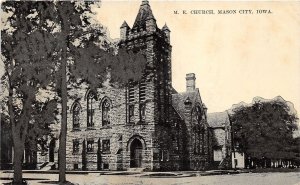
167 31
124 29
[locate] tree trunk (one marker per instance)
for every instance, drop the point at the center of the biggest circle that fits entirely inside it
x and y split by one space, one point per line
63 130
17 165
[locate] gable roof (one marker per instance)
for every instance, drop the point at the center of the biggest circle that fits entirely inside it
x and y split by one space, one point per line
178 100
218 119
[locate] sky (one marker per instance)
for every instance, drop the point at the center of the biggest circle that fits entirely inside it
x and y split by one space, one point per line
235 57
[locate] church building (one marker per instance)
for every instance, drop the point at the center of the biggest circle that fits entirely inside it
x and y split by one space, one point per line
146 125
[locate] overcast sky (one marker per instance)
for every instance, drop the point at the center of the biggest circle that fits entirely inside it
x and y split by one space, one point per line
235 56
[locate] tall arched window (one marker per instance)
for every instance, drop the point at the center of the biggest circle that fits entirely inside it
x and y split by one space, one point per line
200 134
196 141
198 114
202 140
105 112
91 97
76 115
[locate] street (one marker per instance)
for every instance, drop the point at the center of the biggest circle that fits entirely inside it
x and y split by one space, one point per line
291 178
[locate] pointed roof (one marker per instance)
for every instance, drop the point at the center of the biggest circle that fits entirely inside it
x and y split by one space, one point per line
165 27
145 13
124 25
178 100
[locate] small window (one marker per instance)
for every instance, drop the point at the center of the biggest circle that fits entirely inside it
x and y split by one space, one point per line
75 166
105 113
142 111
131 113
90 145
106 146
75 146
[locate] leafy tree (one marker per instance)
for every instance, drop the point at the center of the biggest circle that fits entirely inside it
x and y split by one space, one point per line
264 129
43 115
27 47
61 31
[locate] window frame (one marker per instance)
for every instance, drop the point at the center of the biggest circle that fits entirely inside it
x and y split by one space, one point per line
76 147
90 145
106 146
106 122
77 115
90 110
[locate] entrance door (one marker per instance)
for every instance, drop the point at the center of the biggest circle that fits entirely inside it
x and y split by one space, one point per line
138 157
136 154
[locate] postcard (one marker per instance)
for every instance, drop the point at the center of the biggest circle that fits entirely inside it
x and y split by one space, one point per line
150 92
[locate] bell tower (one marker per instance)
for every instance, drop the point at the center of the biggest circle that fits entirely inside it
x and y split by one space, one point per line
154 43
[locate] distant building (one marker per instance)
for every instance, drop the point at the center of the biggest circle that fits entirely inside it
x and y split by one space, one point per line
238 160
220 126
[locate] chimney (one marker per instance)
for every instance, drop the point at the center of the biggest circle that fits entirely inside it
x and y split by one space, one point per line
190 82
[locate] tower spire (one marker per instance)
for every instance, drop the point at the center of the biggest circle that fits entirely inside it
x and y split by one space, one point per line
145 14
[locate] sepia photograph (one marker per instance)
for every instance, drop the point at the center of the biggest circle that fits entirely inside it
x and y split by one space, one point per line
150 92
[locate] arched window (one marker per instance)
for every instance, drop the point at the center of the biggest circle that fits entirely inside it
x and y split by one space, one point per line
142 112
91 97
198 114
76 115
105 112
199 140
202 143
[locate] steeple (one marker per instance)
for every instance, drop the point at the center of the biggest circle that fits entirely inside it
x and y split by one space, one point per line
145 18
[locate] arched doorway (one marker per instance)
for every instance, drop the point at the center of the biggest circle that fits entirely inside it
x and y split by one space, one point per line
136 148
51 150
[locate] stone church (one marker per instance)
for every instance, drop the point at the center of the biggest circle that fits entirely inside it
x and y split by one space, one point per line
145 125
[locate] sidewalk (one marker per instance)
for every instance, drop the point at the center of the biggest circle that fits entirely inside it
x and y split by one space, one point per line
143 174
